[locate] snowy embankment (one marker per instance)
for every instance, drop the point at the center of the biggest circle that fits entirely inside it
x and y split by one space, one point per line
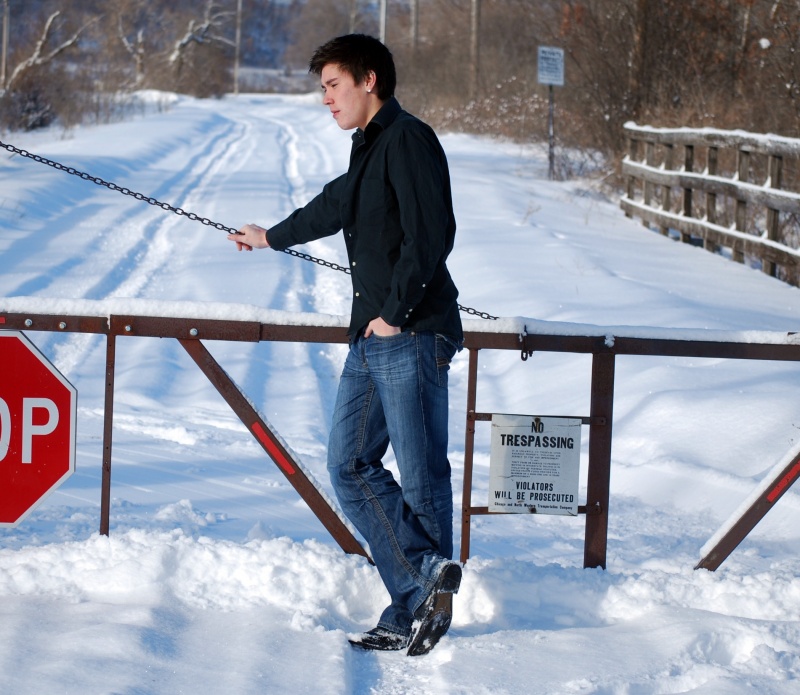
217 579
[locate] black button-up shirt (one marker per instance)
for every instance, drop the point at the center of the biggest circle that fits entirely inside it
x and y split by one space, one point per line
395 207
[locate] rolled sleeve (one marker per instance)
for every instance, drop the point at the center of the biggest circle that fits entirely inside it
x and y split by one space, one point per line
319 218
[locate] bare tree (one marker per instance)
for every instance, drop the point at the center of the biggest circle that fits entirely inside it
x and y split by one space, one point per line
42 55
319 20
4 56
135 47
204 31
777 68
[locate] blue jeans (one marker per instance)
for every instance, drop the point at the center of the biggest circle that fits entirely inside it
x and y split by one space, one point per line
394 389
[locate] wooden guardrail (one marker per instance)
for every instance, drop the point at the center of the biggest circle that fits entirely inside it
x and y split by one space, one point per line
731 189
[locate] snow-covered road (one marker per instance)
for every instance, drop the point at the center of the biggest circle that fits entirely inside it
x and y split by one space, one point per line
217 579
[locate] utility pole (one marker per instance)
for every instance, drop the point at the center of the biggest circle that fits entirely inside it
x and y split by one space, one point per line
474 47
414 22
4 58
353 15
238 42
383 21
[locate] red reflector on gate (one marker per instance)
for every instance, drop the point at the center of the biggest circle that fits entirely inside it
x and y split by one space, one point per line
272 448
784 483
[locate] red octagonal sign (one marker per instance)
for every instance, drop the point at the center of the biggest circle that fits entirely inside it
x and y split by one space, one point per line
37 427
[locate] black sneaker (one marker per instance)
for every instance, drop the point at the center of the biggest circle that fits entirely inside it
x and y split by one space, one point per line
380 639
436 614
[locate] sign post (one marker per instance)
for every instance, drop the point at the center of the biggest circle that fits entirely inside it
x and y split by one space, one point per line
551 72
38 409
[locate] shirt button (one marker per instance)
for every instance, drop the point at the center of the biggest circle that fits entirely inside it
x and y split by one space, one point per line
354 264
358 294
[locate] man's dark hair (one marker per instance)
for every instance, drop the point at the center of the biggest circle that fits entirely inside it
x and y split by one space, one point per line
358 54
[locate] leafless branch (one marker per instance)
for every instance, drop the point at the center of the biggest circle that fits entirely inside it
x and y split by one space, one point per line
135 49
202 32
39 56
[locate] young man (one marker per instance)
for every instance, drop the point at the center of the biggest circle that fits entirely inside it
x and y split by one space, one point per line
395 208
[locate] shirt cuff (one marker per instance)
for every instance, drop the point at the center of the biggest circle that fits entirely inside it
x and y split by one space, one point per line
396 313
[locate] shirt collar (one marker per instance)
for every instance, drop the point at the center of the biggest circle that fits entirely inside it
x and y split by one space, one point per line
380 121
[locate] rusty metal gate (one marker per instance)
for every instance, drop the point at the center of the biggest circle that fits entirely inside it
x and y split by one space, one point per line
602 346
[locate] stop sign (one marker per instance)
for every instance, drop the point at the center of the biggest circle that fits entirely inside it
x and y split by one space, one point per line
37 427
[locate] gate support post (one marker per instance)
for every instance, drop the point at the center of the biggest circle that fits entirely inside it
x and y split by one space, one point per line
599 474
108 420
469 447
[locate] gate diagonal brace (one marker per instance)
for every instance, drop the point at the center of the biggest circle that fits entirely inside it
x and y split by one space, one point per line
772 490
271 443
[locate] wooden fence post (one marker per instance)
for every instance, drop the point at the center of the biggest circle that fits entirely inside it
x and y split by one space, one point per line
688 165
649 148
773 216
633 148
743 170
712 166
666 191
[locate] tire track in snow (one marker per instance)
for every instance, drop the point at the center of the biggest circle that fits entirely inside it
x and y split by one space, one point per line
152 249
317 374
99 232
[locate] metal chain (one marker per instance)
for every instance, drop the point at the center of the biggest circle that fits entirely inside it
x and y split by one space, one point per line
475 312
192 216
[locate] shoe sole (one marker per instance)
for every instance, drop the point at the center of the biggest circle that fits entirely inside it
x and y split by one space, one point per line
450 580
436 621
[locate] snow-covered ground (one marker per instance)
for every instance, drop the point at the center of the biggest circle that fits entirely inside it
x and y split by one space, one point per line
217 579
